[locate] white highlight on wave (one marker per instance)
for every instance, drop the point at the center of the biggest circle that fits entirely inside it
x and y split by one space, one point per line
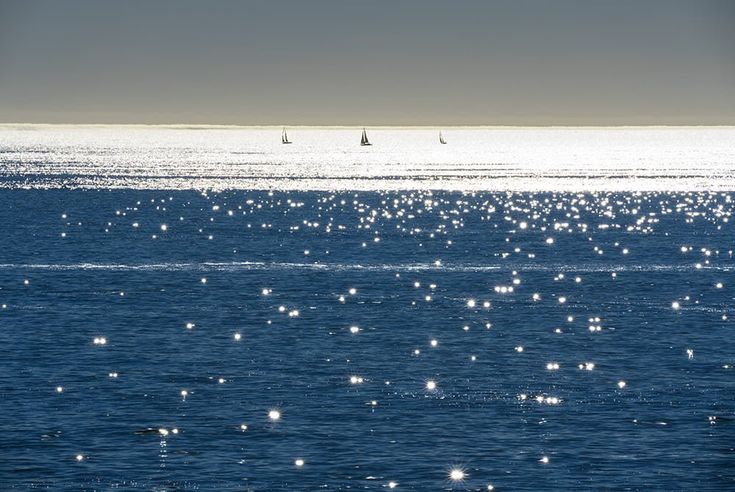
460 267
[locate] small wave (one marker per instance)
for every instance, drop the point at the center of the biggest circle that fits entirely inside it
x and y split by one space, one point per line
257 265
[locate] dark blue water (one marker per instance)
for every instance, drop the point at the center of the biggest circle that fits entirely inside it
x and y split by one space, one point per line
497 416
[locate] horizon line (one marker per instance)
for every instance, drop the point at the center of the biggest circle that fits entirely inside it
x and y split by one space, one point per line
426 126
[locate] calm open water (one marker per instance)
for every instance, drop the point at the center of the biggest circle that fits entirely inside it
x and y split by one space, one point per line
156 338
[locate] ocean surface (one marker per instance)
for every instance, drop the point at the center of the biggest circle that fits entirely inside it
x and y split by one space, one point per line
520 309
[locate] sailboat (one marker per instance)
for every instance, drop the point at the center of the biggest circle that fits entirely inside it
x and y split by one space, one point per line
284 137
441 138
364 140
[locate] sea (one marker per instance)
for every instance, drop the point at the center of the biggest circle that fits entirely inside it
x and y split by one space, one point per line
205 308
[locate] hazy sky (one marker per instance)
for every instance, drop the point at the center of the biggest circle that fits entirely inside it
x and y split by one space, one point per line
392 62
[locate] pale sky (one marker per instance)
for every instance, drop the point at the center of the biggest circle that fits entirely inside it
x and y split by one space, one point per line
343 62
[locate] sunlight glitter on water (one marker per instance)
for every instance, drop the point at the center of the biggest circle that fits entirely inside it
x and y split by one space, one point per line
502 158
501 354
